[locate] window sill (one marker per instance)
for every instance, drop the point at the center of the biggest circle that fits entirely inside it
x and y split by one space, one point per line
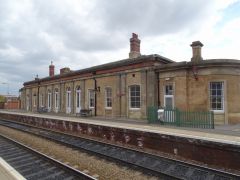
218 111
134 109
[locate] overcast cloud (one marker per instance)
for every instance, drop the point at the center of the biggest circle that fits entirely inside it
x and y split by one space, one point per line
83 33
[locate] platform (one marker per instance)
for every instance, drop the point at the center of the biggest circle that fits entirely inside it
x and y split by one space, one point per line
7 172
222 133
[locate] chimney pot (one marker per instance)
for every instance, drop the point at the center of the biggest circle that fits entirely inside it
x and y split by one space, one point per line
134 46
134 35
51 69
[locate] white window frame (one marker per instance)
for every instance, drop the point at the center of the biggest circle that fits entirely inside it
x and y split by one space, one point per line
68 101
222 97
34 101
41 100
78 99
108 98
49 105
129 101
56 100
27 102
89 100
169 95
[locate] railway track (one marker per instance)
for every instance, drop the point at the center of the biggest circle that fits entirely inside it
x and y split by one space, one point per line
32 164
149 163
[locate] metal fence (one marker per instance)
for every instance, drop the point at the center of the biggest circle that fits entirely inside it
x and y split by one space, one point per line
175 117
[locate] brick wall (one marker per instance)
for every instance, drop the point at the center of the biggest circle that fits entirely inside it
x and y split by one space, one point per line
12 105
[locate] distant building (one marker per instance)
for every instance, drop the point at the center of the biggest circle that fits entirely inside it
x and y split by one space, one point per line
127 87
9 102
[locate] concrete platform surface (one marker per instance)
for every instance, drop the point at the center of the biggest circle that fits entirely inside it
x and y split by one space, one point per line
229 134
7 172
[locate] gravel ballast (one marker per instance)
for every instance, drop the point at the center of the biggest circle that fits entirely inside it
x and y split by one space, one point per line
100 168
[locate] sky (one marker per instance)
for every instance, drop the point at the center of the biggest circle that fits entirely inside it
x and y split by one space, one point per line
82 33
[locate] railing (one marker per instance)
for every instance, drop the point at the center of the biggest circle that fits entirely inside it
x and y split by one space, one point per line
175 117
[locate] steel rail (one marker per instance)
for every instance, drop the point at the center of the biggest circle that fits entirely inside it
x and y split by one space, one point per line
72 171
214 172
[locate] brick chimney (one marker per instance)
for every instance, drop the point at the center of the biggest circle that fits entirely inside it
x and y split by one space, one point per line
196 50
134 46
51 69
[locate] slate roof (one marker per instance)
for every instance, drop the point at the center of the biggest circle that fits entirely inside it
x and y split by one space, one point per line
115 64
202 63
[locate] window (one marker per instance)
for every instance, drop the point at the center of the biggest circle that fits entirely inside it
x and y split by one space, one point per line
168 96
41 100
34 100
108 98
78 97
49 100
91 99
68 97
56 99
217 96
169 89
134 96
27 102
68 100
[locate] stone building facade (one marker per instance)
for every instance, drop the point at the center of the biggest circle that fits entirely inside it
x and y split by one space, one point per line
127 87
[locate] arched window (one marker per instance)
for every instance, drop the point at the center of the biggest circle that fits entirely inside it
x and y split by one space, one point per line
41 98
49 100
56 99
78 99
27 102
34 99
91 96
68 100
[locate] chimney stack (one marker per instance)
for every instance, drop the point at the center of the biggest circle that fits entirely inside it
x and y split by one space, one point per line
51 69
134 46
196 50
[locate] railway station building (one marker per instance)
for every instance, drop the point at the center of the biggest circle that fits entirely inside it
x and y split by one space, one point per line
126 88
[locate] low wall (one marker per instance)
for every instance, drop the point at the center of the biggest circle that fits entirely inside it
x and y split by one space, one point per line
207 152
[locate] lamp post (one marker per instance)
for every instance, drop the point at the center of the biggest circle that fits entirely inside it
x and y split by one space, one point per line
96 89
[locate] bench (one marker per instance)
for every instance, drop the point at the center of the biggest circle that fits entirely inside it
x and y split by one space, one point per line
84 112
42 110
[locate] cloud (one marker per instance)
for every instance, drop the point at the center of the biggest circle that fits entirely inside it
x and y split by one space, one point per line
152 17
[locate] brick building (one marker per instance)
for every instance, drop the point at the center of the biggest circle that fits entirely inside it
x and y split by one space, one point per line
9 102
127 87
